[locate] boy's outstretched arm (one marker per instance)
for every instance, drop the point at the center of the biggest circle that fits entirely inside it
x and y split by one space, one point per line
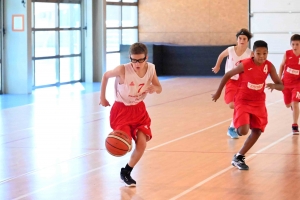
109 74
277 85
222 55
226 77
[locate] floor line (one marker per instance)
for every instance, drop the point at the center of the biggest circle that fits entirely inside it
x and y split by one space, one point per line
121 159
226 169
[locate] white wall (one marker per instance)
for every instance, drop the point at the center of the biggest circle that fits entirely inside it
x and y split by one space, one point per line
275 21
17 66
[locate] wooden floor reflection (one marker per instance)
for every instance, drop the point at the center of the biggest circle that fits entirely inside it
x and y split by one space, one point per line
54 149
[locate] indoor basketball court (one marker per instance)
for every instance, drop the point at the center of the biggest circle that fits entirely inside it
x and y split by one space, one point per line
54 148
54 134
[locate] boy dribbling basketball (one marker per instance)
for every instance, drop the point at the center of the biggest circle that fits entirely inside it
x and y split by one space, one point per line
250 110
128 114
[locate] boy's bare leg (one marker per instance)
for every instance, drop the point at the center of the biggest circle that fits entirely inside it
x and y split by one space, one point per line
139 150
238 159
231 132
231 105
251 140
136 155
295 112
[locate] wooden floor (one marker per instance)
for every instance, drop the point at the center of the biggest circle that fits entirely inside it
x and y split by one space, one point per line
53 149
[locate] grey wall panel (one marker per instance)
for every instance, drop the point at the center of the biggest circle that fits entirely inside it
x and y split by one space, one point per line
277 43
274 5
275 22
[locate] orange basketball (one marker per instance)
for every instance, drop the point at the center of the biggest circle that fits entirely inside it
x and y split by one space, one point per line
118 143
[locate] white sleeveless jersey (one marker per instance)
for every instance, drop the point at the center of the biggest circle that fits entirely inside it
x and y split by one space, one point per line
133 90
233 60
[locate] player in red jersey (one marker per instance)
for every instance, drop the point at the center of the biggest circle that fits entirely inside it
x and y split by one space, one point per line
289 72
250 108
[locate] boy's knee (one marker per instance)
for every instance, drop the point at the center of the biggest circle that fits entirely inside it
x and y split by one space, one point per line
141 141
242 131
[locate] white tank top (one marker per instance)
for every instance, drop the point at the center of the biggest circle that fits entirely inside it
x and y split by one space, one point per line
133 90
233 60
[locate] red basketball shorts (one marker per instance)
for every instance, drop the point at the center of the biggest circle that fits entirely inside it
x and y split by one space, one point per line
255 116
291 95
230 90
130 119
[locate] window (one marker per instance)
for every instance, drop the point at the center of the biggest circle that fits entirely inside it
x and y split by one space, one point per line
121 28
57 40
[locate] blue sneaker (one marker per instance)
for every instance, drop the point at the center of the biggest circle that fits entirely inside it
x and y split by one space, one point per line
232 133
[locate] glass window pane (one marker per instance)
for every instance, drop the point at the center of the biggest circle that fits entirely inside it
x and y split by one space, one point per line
129 36
45 43
45 72
112 40
112 60
69 42
130 1
113 16
69 15
129 16
70 69
45 15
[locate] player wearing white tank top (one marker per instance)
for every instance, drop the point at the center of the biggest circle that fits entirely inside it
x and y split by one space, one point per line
128 114
234 55
134 88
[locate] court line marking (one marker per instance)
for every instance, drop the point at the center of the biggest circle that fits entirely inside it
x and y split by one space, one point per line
37 170
190 134
226 169
117 161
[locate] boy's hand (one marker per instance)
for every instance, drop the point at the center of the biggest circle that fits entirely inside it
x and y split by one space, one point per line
104 102
215 96
270 86
151 89
216 69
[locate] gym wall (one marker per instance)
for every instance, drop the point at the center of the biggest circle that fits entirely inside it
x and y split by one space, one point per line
192 22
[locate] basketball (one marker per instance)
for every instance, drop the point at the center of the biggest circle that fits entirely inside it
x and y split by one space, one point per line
118 143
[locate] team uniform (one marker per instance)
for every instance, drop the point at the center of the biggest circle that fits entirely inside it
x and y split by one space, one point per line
129 112
231 62
250 98
291 78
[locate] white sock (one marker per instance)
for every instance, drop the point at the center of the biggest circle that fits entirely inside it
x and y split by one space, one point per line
231 124
238 154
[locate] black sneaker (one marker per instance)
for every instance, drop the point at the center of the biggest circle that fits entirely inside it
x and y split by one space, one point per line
238 161
295 129
125 176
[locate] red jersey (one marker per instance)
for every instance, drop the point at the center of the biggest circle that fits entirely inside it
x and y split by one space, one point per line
252 83
291 72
